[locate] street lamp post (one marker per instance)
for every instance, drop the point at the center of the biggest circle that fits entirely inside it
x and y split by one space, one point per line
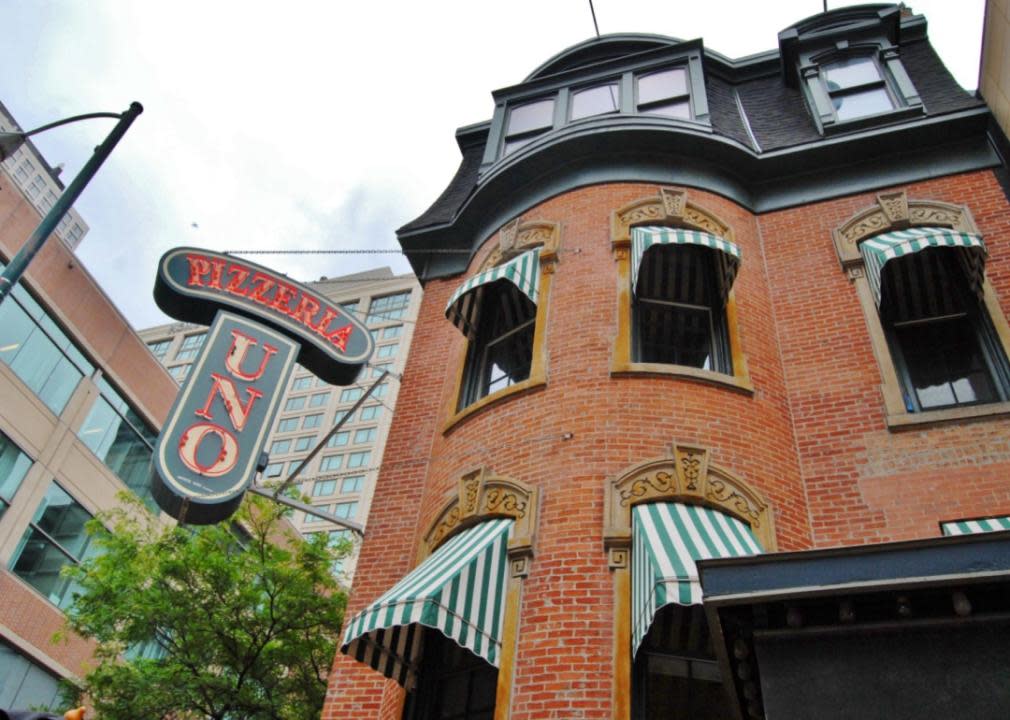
9 142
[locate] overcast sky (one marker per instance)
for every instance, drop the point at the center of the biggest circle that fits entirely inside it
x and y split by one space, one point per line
314 124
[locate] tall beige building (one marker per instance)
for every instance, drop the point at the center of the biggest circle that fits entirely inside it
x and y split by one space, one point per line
341 477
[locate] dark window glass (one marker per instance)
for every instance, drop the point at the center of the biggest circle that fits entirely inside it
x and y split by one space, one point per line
944 346
675 671
501 353
454 684
14 464
54 538
122 440
679 313
665 93
595 100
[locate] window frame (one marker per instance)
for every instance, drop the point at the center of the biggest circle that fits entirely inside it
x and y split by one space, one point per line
670 207
514 238
563 86
894 211
905 99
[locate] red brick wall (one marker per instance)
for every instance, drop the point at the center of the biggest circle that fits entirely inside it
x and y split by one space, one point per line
564 656
867 484
812 437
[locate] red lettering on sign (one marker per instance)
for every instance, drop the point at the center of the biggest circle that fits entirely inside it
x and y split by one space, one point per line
238 276
198 267
339 337
282 299
240 345
306 308
261 285
321 327
189 446
217 270
237 412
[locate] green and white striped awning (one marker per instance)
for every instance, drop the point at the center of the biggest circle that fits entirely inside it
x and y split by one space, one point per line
877 251
459 591
644 238
973 527
523 271
667 539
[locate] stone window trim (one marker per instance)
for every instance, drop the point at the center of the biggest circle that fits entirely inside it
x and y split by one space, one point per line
514 238
483 495
685 474
905 98
670 207
895 211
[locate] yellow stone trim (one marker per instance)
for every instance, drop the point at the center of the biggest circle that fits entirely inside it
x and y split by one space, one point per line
482 495
894 211
513 239
685 474
672 208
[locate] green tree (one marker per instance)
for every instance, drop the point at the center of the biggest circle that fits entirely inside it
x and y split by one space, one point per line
196 623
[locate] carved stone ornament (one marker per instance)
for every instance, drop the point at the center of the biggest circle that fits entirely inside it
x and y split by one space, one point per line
684 475
482 496
517 237
894 211
670 206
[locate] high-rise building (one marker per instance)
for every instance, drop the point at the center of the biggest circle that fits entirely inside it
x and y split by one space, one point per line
81 399
708 407
39 182
340 479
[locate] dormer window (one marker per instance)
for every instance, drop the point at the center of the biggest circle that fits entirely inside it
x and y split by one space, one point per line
664 93
526 122
856 88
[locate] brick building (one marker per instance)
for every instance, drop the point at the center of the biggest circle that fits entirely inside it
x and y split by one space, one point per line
81 399
709 417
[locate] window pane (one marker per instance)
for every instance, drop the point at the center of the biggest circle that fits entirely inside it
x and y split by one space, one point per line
324 487
273 470
295 403
662 85
512 145
531 116
364 435
862 103
280 447
675 334
319 399
352 484
14 465
680 110
945 363
391 332
350 394
331 462
38 560
388 350
23 684
304 443
122 440
850 73
287 425
371 412
312 421
595 100
338 439
359 459
302 383
345 510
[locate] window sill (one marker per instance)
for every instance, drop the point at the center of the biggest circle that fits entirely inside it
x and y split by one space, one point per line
836 127
710 377
899 421
493 399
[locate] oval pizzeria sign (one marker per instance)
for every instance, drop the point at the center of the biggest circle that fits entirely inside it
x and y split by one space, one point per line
193 284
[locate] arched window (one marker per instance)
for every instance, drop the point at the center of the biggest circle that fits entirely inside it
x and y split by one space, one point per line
676 265
936 327
660 519
501 310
